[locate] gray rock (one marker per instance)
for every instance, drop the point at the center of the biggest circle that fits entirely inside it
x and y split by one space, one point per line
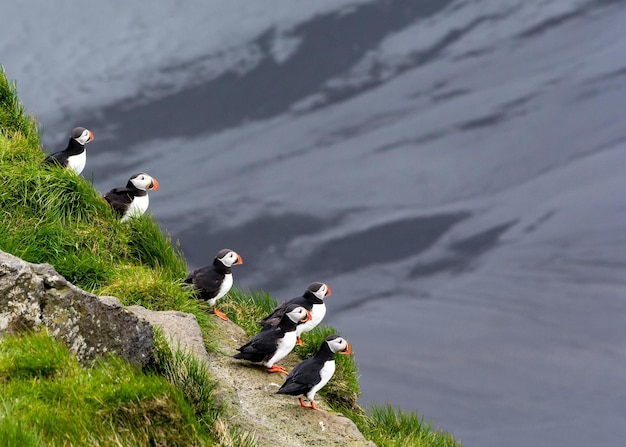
35 295
181 330
111 301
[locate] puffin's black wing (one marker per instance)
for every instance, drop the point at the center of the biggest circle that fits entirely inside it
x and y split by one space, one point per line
262 345
120 199
275 317
206 279
302 378
57 159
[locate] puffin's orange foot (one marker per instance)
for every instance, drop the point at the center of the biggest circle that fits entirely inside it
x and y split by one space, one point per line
311 405
277 369
299 341
219 314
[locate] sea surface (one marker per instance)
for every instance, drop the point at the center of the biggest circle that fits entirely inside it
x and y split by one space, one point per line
454 169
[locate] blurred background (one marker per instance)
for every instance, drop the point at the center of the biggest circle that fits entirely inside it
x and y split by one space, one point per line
454 169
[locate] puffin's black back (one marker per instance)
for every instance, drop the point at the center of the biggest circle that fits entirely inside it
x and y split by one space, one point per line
61 158
121 198
207 280
264 343
306 374
307 300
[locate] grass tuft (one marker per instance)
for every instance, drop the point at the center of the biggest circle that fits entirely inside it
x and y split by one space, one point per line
389 427
14 432
191 377
49 399
148 246
35 356
13 117
246 308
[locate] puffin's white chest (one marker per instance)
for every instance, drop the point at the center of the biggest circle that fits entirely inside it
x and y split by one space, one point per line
317 315
284 347
225 286
326 373
137 207
77 162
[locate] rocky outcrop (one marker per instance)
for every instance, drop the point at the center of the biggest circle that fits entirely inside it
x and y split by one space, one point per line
35 295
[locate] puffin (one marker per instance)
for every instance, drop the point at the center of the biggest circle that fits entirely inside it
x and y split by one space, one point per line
132 200
214 281
310 375
312 300
273 343
74 156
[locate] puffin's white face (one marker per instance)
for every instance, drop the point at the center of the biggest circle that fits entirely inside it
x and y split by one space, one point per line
299 314
229 258
82 135
340 345
320 290
144 181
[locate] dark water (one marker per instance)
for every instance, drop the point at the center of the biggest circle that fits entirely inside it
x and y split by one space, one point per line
453 169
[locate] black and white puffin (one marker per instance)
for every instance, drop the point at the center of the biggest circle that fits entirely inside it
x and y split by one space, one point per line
214 281
273 343
74 156
132 200
312 300
310 375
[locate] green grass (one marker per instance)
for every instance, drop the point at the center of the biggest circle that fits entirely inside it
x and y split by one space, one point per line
391 427
50 215
49 399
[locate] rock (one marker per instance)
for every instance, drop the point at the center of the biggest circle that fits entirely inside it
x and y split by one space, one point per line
111 301
35 295
181 330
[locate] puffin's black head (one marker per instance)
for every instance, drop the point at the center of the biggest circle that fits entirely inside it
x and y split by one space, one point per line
338 344
143 181
82 135
319 289
298 314
228 257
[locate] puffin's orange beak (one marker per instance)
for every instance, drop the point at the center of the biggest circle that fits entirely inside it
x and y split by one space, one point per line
239 260
346 351
154 184
328 291
91 137
309 317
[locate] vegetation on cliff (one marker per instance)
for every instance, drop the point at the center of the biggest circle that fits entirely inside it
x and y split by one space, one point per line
54 216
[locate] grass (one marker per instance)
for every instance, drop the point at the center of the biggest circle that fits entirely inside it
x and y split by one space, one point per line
50 215
49 399
391 427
